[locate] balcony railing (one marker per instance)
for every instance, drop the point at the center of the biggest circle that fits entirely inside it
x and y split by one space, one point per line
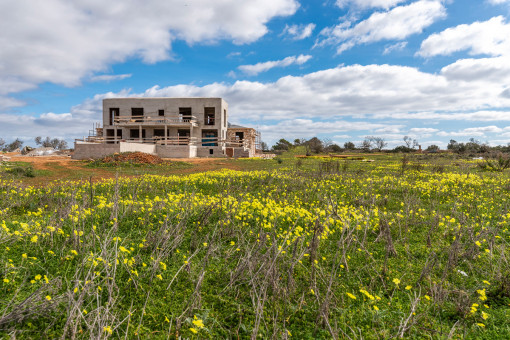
171 140
137 120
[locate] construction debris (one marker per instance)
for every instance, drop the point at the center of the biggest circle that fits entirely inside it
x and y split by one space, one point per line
131 158
26 150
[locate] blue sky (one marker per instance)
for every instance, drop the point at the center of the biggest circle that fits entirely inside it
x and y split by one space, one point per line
337 69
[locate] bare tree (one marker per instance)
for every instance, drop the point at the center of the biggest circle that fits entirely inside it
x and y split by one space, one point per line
408 140
378 142
365 145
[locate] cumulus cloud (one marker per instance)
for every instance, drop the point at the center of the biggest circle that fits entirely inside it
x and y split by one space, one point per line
369 3
395 47
382 91
423 130
498 2
298 32
109 77
491 37
395 24
377 92
62 42
255 69
307 128
472 132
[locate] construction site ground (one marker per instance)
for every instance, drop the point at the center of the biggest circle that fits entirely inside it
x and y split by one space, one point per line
52 168
62 168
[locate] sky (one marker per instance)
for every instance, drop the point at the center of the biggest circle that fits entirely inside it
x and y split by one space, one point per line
340 70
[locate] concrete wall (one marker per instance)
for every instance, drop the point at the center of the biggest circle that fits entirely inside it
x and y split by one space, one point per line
176 151
171 107
134 147
204 151
93 150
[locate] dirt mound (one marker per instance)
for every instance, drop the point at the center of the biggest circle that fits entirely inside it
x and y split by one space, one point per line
131 158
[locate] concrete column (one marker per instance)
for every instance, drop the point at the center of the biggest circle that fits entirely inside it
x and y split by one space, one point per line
166 135
140 133
115 135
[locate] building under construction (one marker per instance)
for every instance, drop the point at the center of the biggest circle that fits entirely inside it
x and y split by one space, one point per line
169 128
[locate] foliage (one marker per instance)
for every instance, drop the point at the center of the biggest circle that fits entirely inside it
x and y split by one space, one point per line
55 143
16 144
282 145
403 149
433 148
349 146
472 147
498 163
26 171
314 145
321 252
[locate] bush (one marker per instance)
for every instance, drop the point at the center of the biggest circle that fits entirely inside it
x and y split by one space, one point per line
499 163
22 171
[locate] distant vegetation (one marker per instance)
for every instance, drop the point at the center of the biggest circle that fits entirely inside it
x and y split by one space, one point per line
379 144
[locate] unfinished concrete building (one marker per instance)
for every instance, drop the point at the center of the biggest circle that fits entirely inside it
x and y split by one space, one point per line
169 128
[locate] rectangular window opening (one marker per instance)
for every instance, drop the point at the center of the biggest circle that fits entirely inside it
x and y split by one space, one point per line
185 114
137 114
161 113
209 137
209 115
114 113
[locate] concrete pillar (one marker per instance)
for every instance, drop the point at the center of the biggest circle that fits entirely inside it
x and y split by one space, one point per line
166 135
140 133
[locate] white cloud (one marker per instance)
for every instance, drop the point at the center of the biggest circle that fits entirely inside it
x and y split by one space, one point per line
423 130
298 32
395 47
491 37
63 42
478 116
498 2
368 3
380 92
255 69
472 132
396 24
307 128
482 70
109 77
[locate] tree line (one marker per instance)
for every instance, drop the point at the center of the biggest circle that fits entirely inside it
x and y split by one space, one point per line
377 144
48 142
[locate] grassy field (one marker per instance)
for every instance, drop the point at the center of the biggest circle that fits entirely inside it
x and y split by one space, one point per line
285 248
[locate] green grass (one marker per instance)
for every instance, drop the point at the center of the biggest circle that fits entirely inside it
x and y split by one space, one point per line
303 248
